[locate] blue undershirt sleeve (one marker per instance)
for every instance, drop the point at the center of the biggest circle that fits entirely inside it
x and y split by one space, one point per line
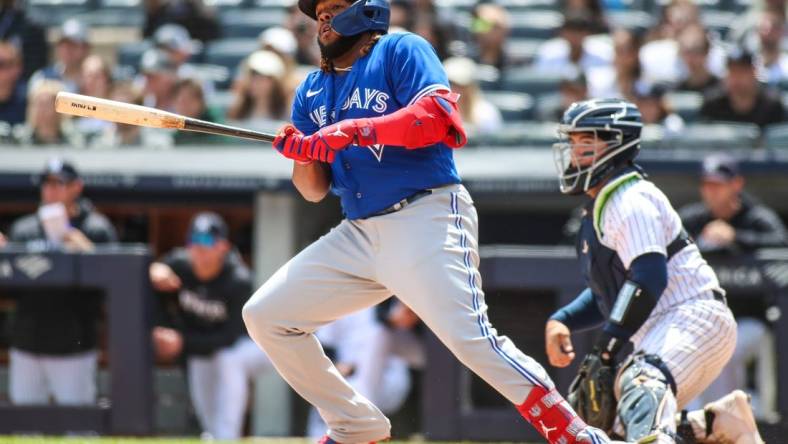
580 314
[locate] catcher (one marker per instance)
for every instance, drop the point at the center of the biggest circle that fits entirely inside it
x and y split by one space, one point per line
648 284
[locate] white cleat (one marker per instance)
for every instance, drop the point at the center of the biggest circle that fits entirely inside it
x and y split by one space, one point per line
733 421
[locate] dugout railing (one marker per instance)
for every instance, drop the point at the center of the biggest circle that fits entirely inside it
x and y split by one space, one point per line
121 274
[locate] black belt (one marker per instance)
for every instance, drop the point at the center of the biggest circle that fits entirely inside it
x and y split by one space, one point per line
401 204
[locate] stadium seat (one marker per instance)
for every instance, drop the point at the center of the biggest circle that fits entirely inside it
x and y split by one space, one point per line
514 106
718 136
718 21
686 104
229 52
521 134
522 50
630 19
120 4
531 81
113 17
535 24
52 15
776 136
225 4
248 23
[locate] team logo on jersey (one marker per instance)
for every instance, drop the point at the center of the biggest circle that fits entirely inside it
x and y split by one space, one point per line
373 99
377 151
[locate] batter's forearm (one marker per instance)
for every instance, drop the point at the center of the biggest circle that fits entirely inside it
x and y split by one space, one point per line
313 180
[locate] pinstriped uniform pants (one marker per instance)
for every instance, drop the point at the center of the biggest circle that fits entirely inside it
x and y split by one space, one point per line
427 255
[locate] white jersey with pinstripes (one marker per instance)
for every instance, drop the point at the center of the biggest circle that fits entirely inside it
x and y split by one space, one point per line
690 331
638 219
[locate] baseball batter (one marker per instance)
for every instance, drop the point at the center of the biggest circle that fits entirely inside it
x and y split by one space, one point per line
376 125
647 282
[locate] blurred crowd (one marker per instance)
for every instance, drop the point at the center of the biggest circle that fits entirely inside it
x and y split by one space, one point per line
513 62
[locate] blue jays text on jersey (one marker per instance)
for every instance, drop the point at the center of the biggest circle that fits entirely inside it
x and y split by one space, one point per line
400 69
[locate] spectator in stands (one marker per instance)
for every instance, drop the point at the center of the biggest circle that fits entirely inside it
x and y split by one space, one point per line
729 222
655 109
160 78
743 98
282 42
206 284
572 50
480 116
190 102
490 28
45 126
96 81
694 49
17 27
772 62
620 79
53 335
260 101
676 16
729 219
70 51
3 240
305 31
175 41
199 20
13 90
591 8
374 356
402 14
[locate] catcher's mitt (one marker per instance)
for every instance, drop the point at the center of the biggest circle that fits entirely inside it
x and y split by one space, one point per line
591 393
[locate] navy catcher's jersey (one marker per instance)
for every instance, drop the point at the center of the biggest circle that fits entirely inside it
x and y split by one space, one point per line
400 69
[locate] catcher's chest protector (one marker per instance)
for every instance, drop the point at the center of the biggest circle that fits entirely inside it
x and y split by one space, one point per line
601 267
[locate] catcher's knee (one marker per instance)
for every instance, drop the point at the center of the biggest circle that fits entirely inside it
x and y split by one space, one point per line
647 400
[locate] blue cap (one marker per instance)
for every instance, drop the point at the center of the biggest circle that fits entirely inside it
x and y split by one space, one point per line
206 229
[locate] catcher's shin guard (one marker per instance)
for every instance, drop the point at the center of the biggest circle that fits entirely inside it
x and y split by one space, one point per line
552 416
646 404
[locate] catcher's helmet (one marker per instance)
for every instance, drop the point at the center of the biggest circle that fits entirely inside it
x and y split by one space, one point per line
361 16
614 122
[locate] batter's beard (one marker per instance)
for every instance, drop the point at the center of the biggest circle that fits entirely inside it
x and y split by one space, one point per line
337 49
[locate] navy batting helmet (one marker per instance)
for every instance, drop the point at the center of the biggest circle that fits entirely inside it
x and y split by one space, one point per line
361 16
615 126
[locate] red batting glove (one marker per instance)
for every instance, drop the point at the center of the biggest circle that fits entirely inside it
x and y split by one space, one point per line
324 144
291 143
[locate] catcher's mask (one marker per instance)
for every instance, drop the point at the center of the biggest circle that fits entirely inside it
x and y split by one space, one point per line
610 139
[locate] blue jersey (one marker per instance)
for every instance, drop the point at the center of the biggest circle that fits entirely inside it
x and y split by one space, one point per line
400 69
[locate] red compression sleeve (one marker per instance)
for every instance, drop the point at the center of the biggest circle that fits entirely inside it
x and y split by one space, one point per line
431 119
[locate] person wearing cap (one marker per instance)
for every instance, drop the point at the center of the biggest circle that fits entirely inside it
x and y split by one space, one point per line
54 334
259 97
176 42
728 218
70 51
203 287
572 49
480 116
728 222
161 75
742 97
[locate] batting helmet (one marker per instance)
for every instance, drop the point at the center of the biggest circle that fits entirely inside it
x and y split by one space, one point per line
614 122
361 16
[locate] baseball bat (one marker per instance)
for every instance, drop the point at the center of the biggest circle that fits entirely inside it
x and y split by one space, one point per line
114 111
